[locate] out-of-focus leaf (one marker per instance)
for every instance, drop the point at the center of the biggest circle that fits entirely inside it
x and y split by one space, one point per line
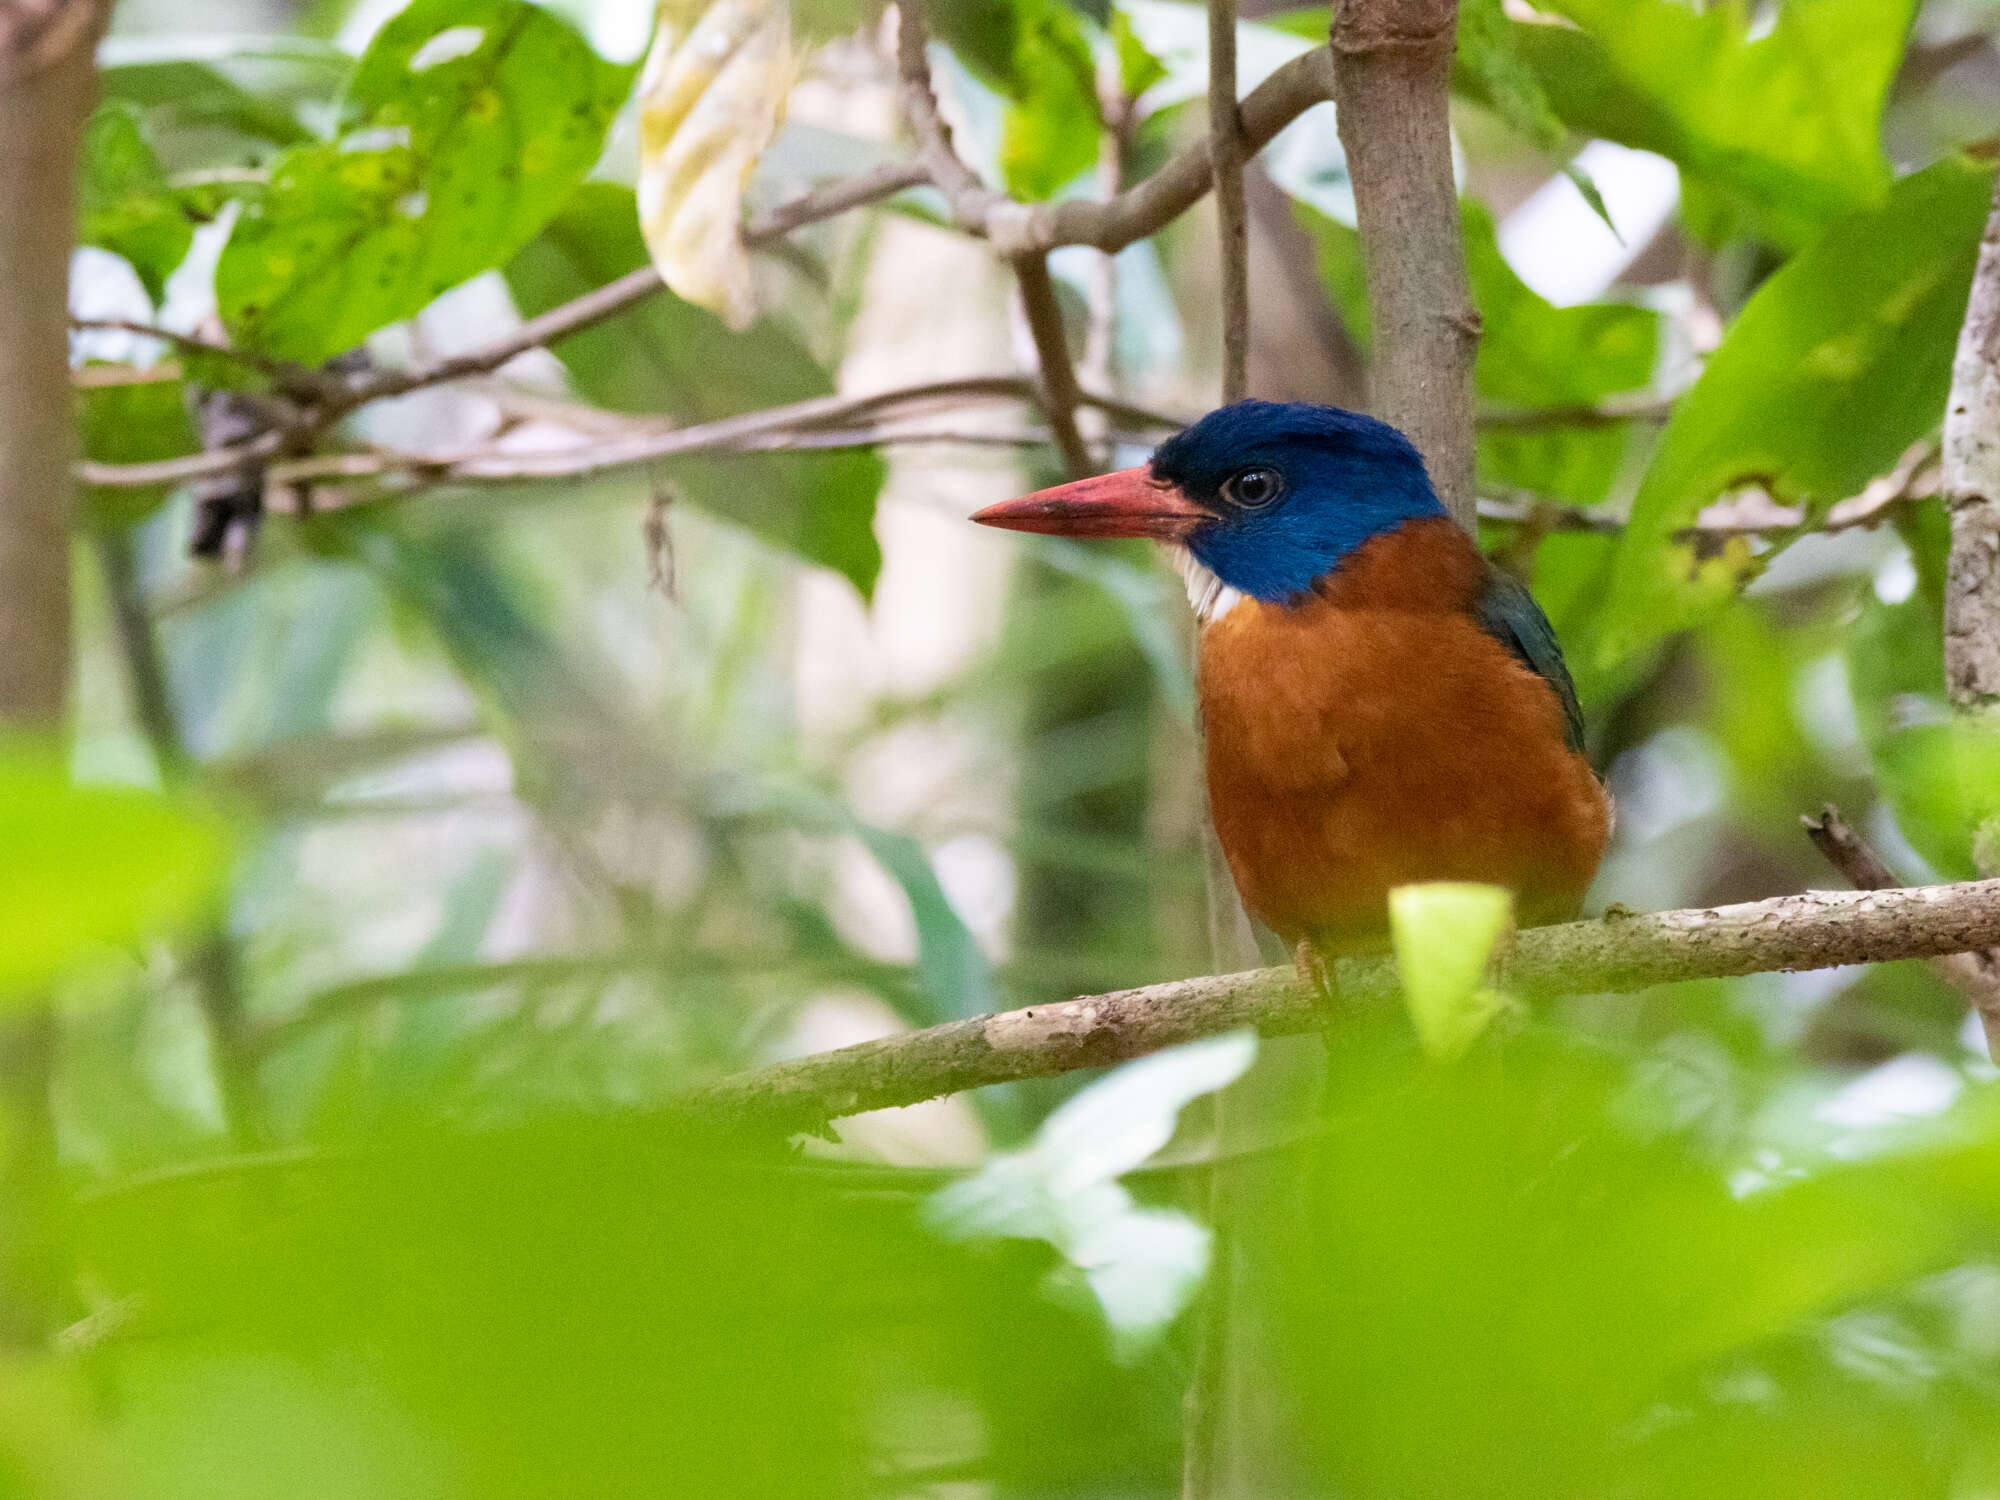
1788 121
710 100
1838 363
669 356
1507 1289
124 203
1532 354
465 126
1034 54
1138 69
1444 934
1491 62
86 866
1143 1264
199 94
1939 772
590 1307
956 978
135 423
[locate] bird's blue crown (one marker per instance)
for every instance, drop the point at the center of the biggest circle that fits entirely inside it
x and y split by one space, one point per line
1293 488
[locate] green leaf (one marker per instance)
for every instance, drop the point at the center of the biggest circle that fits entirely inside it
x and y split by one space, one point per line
1533 354
125 424
87 866
1138 69
1492 66
1788 123
1034 53
123 202
670 356
953 969
194 94
1839 362
466 125
1444 933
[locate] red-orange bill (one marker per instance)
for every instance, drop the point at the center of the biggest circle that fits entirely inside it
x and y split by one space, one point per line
1130 502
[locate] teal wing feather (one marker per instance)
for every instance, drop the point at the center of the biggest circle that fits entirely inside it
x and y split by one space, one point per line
1506 611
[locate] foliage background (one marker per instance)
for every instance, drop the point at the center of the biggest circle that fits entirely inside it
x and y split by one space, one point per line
371 1197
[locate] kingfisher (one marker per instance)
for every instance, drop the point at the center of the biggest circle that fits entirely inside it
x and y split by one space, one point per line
1380 705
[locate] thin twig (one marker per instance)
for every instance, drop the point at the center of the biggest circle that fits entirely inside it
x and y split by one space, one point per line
1975 974
1811 930
288 375
1225 149
1060 395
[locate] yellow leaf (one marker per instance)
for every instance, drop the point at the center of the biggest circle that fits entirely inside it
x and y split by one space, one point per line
710 100
1444 934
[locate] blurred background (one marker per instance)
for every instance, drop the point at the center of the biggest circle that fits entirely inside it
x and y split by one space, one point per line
549 800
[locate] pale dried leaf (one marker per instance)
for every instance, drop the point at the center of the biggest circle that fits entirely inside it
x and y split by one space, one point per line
710 101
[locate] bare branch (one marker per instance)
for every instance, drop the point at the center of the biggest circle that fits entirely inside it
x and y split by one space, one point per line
1972 489
1811 930
1226 153
1060 396
970 199
288 375
1975 975
1392 71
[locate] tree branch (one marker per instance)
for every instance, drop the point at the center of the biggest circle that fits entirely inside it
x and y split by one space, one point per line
1226 154
1811 930
1060 396
1392 74
1972 489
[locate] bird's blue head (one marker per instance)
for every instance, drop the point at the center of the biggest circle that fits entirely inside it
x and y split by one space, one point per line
1268 496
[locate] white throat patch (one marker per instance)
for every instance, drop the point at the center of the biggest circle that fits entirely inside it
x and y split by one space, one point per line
1210 596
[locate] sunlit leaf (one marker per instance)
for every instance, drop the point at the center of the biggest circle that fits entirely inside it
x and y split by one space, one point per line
465 126
710 100
1787 122
83 867
1838 363
1034 54
1444 936
670 356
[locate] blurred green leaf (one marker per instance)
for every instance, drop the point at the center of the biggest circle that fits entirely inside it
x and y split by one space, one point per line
1506 1290
1788 121
135 423
1838 363
1444 934
1138 69
197 94
955 974
124 203
1035 55
83 867
669 356
464 128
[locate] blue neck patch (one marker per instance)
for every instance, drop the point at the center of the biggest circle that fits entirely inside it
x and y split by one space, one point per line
1341 478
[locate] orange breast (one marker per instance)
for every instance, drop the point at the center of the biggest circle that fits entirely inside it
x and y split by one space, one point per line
1375 736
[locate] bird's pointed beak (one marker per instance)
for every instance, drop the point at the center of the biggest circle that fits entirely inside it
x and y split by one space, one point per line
1130 502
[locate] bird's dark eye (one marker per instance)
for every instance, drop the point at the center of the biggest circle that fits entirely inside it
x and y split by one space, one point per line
1253 487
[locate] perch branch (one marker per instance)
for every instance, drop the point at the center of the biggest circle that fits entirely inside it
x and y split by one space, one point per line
1811 930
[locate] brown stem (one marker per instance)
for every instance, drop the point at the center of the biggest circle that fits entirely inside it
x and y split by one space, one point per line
1226 154
1060 395
1811 930
1975 975
1971 464
1392 76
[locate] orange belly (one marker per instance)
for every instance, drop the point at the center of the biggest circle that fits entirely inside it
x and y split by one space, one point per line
1376 736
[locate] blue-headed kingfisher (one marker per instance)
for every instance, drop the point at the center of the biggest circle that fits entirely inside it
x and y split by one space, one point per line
1380 704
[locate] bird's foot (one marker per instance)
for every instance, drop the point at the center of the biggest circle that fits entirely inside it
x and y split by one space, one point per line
1321 982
